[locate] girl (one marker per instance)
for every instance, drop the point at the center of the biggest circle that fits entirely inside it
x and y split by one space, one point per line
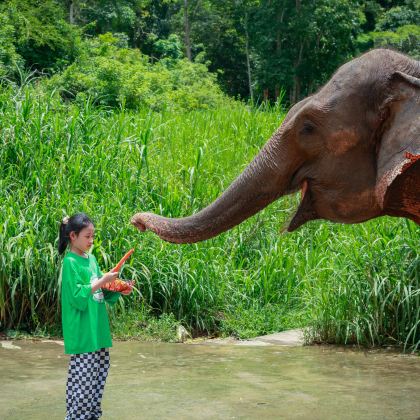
87 336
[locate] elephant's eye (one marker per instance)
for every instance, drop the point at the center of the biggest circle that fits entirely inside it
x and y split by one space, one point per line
307 128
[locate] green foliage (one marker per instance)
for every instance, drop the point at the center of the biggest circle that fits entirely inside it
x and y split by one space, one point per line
42 38
101 16
142 21
294 46
217 32
169 48
9 58
143 325
245 322
405 39
348 283
115 76
259 49
384 285
397 28
398 16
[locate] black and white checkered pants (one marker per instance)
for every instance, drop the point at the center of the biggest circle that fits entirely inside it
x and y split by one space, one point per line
85 384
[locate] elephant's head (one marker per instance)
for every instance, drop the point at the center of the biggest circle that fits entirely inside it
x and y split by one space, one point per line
352 148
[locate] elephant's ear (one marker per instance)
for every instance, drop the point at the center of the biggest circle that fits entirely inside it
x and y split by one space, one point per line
398 165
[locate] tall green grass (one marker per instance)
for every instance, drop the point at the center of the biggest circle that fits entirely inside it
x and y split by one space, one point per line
347 283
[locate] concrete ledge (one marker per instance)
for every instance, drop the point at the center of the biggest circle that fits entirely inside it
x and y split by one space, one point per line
284 338
293 338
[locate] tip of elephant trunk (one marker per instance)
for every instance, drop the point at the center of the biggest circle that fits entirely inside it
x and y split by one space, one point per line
167 229
138 220
150 221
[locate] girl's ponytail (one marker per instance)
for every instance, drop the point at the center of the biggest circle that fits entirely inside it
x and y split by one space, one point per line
74 224
63 237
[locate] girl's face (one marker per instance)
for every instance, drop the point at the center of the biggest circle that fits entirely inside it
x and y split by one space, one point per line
82 241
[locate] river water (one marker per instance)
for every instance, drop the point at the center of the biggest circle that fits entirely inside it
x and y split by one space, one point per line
202 381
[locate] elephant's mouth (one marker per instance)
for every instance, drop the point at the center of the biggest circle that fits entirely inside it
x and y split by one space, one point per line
306 210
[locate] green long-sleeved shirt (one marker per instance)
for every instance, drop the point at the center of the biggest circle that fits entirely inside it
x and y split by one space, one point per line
84 315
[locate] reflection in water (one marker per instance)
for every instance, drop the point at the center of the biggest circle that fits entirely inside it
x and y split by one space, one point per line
158 381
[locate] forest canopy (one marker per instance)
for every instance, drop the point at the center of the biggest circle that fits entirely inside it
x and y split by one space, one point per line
132 50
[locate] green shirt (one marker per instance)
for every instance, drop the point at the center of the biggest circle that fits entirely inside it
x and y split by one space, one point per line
84 315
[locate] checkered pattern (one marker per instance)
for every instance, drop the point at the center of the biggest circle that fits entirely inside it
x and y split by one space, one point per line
85 384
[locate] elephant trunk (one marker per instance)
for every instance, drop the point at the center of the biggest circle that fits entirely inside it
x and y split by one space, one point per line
264 180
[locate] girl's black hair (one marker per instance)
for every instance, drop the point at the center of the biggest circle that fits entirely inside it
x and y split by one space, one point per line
75 224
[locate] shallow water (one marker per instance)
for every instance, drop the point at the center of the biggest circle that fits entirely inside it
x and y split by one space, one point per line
160 381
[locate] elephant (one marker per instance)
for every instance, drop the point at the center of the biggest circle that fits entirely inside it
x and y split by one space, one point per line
352 148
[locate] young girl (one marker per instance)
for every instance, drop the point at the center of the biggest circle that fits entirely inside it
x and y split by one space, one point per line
87 336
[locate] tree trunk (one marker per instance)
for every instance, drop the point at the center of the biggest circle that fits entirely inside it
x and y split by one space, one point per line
187 31
295 92
296 80
280 18
265 94
248 61
71 13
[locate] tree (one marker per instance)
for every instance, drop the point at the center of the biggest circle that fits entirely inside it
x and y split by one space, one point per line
9 58
187 31
396 27
219 31
300 44
42 37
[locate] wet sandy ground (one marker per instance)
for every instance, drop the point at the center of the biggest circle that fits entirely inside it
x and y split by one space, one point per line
179 381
